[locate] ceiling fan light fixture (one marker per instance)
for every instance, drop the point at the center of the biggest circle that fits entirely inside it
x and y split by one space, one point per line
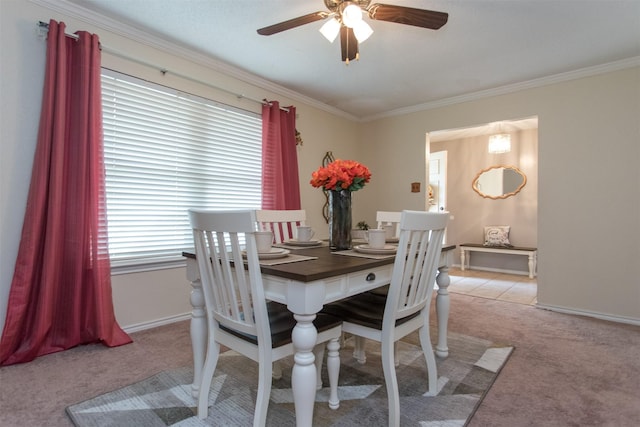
351 14
346 19
362 31
330 29
499 143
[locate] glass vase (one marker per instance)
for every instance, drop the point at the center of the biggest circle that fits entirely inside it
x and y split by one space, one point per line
339 220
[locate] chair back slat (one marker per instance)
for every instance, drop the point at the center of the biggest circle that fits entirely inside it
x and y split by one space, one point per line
234 297
416 264
224 301
283 223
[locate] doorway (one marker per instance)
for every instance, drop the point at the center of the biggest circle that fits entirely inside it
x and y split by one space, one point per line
467 155
437 192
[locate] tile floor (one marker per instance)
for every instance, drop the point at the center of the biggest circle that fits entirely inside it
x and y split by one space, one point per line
499 286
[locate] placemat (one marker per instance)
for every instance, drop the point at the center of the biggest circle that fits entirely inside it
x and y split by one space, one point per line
289 258
361 255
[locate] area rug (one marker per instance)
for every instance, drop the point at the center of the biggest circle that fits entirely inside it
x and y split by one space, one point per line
464 377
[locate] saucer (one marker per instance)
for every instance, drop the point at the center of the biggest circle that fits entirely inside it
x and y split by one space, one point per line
274 253
366 249
295 242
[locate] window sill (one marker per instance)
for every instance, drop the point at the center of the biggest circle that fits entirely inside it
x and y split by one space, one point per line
123 267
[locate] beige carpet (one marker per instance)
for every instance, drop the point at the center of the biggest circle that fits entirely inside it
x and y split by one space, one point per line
565 370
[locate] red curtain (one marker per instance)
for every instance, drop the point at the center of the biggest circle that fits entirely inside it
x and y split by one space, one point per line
280 184
60 295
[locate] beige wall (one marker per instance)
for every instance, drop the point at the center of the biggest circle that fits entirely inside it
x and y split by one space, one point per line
466 158
588 182
589 197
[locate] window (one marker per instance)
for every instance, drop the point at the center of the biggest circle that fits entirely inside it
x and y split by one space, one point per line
165 152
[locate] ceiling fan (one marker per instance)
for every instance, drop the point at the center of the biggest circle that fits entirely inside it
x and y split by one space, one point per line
346 19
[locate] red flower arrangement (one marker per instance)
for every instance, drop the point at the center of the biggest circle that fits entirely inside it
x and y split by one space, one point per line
341 175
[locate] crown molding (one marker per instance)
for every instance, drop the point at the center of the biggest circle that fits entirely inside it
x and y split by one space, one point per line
82 14
90 17
516 87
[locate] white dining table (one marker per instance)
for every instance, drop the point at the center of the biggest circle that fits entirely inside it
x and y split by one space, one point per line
305 287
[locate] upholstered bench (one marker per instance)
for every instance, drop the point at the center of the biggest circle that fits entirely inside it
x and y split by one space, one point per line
532 253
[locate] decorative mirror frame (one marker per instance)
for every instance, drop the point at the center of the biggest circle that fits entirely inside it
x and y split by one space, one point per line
503 196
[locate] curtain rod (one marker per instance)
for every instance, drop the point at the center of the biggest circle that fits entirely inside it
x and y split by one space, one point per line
43 28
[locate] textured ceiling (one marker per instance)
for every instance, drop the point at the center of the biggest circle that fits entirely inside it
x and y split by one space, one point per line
486 44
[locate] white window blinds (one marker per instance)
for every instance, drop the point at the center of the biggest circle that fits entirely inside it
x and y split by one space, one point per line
165 152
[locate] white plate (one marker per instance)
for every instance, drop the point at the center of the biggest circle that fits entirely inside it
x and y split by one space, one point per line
274 253
295 242
365 249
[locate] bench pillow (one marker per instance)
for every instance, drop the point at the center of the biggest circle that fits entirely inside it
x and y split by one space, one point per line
497 235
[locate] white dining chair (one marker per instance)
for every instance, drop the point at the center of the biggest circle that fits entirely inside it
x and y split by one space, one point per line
405 308
384 218
238 315
283 223
389 218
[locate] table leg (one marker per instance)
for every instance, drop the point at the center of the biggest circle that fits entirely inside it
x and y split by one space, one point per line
442 310
462 259
303 376
532 265
198 327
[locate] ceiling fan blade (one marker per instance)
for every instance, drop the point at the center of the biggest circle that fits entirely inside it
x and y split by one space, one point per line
292 23
348 44
408 16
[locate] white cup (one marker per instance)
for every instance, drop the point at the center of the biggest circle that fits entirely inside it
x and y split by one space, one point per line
305 233
264 240
376 238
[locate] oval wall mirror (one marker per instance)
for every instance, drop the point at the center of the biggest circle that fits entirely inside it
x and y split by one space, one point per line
499 182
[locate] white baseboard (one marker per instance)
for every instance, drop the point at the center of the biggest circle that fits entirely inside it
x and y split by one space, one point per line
602 316
157 322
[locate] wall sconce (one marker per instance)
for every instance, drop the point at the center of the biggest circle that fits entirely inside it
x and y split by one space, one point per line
499 143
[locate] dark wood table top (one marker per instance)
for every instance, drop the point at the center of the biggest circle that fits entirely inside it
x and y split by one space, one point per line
326 265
